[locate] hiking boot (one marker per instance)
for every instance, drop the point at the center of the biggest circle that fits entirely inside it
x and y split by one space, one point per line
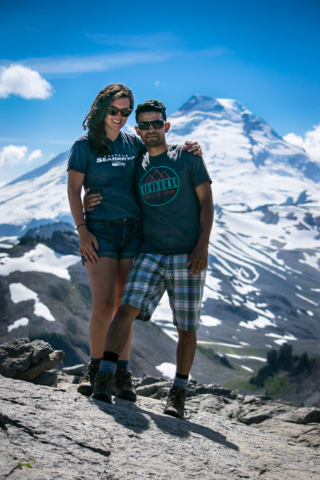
123 385
175 403
103 387
86 383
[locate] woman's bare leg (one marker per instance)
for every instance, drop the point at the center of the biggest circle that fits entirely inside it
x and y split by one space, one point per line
102 278
122 273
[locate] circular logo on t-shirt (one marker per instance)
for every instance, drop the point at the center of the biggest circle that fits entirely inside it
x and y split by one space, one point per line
160 185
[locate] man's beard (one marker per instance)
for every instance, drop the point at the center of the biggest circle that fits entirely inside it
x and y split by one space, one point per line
152 142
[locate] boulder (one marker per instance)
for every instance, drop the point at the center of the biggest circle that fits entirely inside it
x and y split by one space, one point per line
75 370
14 356
213 389
40 350
147 390
255 398
51 361
149 380
302 415
48 379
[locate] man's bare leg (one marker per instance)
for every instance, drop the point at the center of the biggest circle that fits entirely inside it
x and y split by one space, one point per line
120 328
186 350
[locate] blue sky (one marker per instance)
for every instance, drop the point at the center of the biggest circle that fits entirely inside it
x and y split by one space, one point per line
266 55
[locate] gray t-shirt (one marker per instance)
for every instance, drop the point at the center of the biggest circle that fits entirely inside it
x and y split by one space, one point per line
170 206
112 176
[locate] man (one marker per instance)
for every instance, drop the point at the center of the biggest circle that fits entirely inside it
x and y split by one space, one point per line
177 208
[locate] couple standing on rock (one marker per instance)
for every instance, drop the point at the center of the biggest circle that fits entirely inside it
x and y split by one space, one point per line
148 220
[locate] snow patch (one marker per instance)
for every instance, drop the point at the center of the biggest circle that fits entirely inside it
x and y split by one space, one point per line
311 260
40 259
209 321
307 299
22 322
281 339
260 322
20 293
247 368
167 369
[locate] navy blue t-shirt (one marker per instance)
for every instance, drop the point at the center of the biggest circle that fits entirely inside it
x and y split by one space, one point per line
112 176
170 206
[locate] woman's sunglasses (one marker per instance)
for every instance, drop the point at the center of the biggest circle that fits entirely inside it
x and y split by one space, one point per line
156 124
125 112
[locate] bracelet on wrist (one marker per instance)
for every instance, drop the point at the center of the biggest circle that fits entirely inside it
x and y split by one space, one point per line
80 224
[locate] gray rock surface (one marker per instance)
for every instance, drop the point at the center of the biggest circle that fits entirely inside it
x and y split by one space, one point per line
15 356
75 370
51 361
40 350
148 380
260 411
47 378
148 390
65 435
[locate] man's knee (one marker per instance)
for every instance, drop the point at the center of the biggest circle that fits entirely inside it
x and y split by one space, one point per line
186 336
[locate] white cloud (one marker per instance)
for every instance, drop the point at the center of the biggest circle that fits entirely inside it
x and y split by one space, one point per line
310 142
23 82
165 39
12 155
35 154
94 63
154 49
294 139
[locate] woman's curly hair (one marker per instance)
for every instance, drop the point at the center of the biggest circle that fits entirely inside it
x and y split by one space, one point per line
94 121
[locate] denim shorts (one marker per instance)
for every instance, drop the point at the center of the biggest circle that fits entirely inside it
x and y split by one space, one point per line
118 239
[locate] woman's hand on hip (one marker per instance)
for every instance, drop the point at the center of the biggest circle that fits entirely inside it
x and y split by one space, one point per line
88 245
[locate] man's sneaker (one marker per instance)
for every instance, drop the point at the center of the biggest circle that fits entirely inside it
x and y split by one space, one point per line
123 385
103 387
86 383
175 403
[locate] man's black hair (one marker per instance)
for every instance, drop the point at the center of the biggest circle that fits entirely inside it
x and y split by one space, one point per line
151 106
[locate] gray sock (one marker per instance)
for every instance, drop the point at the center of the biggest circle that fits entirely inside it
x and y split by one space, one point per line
108 367
180 382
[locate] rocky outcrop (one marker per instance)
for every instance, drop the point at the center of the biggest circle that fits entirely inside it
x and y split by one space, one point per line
49 433
30 361
282 418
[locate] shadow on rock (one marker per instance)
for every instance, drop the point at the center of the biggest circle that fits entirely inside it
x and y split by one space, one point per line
138 420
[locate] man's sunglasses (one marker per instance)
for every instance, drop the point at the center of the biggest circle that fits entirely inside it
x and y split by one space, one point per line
156 124
125 112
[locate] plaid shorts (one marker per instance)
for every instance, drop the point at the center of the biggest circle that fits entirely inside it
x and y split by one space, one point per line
152 274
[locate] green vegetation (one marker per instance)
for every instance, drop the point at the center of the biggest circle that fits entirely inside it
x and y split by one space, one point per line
27 240
282 360
280 383
28 465
209 353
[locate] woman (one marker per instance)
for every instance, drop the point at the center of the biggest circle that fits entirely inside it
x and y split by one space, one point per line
110 236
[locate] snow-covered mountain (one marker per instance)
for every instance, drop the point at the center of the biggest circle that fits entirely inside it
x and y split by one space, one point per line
263 281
